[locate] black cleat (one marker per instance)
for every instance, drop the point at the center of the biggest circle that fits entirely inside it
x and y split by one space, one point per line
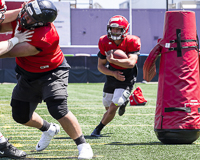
8 150
122 108
95 133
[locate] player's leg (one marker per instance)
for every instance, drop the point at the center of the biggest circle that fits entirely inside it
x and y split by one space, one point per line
23 113
71 126
110 114
49 130
108 117
119 97
55 96
25 97
58 109
47 135
107 100
114 100
122 108
8 150
108 91
132 76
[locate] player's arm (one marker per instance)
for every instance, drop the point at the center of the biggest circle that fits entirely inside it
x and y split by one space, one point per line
103 69
11 15
6 27
21 50
6 46
125 63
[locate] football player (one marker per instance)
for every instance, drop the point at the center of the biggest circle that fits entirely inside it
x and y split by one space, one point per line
121 73
7 149
43 75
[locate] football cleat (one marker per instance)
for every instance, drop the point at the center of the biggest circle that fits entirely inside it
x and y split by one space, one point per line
95 133
85 151
8 150
122 108
47 136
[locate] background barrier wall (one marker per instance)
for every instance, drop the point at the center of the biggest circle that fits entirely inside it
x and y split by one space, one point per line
83 69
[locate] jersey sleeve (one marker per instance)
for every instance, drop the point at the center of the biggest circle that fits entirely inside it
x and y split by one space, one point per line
101 53
101 56
136 52
134 44
40 39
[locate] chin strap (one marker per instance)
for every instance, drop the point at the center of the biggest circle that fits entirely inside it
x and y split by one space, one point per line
116 37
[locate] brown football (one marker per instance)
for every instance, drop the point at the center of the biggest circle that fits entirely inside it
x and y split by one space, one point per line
118 54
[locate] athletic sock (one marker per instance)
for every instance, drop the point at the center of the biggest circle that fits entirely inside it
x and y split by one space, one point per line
100 126
2 138
80 140
45 126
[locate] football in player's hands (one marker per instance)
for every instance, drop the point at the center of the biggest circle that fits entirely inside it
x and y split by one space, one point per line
117 53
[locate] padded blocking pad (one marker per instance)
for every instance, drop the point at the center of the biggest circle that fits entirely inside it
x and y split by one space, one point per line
178 98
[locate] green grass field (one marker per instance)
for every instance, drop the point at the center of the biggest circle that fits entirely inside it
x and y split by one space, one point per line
130 137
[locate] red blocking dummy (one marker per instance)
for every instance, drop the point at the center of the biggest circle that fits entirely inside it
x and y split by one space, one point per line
177 118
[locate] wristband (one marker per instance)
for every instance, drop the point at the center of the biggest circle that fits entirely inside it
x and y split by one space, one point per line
14 40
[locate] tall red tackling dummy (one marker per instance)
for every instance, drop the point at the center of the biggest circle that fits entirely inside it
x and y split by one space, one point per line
177 117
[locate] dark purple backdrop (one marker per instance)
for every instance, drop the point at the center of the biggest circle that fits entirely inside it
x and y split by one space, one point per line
87 25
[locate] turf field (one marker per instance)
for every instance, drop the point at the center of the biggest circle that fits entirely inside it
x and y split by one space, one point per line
130 137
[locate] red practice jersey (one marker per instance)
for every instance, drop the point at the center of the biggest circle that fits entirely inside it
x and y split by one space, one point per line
129 44
46 39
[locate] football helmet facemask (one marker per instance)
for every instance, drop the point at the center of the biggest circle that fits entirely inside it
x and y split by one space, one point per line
3 9
40 11
117 21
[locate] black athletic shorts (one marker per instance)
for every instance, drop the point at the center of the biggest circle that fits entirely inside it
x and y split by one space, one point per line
112 83
53 84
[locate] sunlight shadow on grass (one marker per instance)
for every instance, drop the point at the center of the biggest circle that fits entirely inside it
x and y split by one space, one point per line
150 143
128 144
102 135
62 138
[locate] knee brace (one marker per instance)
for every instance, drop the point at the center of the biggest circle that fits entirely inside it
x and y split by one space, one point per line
120 96
107 99
57 107
22 111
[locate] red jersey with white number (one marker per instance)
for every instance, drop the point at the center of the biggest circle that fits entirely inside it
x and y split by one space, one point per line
129 44
46 39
